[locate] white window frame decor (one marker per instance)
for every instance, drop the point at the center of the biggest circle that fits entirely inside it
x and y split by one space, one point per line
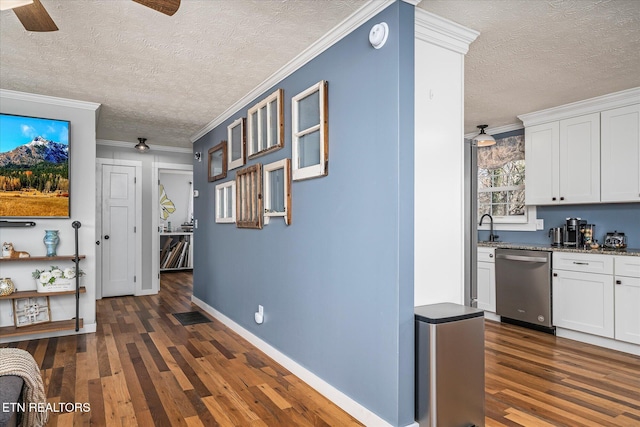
222 196
264 140
284 164
236 163
321 168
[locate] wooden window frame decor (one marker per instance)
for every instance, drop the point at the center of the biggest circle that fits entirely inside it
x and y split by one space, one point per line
321 168
222 149
224 200
236 163
31 311
249 213
285 165
259 141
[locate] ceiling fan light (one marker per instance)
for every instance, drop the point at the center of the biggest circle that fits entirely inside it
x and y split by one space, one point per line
12 4
483 139
141 146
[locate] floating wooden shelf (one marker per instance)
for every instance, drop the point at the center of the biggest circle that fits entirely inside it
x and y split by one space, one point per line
44 258
60 325
34 294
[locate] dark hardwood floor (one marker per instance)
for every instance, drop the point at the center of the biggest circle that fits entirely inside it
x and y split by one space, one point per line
142 367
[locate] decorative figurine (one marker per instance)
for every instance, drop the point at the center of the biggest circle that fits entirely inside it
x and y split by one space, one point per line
9 252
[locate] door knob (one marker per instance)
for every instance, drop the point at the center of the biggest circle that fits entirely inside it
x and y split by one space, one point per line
106 237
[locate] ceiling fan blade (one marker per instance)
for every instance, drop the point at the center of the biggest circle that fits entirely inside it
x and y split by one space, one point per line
168 7
34 17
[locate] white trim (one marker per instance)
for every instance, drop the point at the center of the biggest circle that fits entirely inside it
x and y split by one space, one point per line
352 22
599 341
51 100
352 407
528 225
155 221
496 131
580 108
441 32
137 165
412 2
124 144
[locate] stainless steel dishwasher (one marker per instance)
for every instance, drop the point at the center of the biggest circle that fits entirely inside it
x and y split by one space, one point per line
523 286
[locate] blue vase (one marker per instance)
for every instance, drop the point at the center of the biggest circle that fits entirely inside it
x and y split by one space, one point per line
51 240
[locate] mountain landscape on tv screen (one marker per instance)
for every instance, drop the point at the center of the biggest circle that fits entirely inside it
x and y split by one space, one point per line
34 180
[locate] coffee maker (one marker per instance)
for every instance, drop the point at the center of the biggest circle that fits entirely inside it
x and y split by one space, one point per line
572 234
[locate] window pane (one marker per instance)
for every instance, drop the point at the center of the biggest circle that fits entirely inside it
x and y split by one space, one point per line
309 150
276 190
273 124
236 143
216 163
309 111
229 197
254 132
220 200
499 210
263 128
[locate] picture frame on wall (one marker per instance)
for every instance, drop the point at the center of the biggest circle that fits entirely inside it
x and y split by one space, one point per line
249 207
31 311
236 143
310 132
217 163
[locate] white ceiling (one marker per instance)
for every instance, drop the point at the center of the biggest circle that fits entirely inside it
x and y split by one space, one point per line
165 78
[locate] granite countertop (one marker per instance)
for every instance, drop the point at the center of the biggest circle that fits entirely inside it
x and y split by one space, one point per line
548 247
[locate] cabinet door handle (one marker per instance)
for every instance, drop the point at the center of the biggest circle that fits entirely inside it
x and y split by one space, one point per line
561 198
580 263
553 198
490 255
618 282
106 237
555 274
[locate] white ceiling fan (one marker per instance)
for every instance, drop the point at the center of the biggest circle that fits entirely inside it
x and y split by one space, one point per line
34 16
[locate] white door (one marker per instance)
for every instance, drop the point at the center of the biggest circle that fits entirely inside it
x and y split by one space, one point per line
541 157
487 286
579 159
118 230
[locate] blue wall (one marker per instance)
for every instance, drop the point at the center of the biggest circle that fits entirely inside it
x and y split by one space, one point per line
337 284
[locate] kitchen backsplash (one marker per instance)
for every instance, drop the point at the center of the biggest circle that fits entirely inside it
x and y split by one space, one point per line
623 217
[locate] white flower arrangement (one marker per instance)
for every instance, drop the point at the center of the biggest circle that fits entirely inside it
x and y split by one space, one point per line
54 273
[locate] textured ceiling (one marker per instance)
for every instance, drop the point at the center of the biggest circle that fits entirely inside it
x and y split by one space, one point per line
160 77
533 55
165 78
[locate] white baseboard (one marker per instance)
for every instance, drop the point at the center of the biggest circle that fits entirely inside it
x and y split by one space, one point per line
599 341
349 405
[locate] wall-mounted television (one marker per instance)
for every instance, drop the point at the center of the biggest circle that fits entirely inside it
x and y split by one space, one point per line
34 167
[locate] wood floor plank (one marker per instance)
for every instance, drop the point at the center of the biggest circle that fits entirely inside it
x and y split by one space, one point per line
143 368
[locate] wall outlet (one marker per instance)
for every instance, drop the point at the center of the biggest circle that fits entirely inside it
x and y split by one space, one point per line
539 224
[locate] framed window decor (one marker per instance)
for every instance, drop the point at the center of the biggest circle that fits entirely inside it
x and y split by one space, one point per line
277 190
217 168
237 143
31 311
226 202
265 127
310 132
249 212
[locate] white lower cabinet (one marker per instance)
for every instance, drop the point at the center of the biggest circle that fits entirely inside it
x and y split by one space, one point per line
584 302
627 299
486 274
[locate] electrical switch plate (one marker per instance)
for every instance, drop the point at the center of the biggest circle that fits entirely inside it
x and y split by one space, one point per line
539 224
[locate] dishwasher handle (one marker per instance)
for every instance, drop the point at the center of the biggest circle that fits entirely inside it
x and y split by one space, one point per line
522 258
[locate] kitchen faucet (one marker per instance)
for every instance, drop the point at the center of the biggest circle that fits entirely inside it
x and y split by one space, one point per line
492 237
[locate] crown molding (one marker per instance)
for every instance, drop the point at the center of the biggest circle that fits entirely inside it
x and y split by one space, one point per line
412 2
588 106
437 30
352 22
496 131
51 100
131 145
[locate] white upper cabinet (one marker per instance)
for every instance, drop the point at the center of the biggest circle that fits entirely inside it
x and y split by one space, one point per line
621 154
563 161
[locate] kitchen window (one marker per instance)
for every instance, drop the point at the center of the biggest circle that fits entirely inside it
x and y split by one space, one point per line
501 182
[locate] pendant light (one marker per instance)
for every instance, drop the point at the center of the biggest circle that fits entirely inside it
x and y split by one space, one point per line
141 146
483 139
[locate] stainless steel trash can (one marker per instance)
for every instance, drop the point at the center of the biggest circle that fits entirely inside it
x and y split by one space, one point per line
449 379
